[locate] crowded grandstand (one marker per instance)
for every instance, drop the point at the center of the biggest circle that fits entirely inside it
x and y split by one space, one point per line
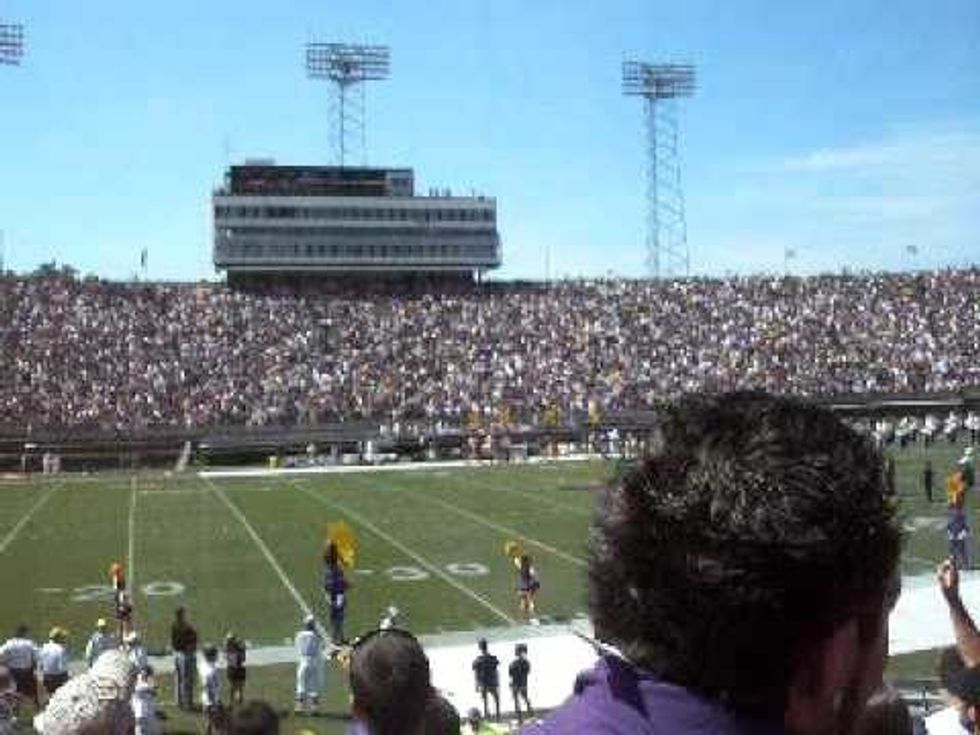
92 353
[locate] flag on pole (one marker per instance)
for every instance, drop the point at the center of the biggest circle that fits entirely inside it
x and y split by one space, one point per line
143 259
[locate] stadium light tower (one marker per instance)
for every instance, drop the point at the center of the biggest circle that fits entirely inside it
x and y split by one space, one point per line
660 85
11 43
347 67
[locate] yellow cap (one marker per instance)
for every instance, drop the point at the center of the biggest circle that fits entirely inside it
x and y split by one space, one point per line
101 623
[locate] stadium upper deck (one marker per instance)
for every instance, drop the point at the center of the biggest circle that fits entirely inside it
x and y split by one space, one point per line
340 221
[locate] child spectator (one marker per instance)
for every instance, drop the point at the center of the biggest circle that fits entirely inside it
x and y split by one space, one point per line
487 678
211 689
519 670
144 704
235 658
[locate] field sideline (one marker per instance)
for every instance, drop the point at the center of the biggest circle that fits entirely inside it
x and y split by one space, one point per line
243 553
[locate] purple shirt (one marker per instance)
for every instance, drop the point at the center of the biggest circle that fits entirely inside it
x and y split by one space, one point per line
615 698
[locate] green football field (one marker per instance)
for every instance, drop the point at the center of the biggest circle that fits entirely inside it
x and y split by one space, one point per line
244 554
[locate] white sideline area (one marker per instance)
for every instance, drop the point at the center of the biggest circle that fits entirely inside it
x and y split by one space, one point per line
920 621
348 469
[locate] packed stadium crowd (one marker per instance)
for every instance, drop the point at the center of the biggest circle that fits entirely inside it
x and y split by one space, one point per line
114 355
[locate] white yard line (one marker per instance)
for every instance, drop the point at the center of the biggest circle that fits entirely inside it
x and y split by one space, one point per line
506 531
300 602
432 568
9 538
131 533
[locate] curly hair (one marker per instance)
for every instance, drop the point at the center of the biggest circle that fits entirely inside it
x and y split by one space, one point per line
754 525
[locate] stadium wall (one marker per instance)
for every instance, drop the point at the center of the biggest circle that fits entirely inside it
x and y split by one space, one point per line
22 450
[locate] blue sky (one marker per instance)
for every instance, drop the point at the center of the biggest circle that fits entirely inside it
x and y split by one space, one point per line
845 130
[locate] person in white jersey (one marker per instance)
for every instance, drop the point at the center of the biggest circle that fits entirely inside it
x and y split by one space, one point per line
53 661
309 666
19 655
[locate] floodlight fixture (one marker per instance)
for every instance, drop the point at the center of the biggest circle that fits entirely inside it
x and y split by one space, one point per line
11 43
661 81
660 86
347 67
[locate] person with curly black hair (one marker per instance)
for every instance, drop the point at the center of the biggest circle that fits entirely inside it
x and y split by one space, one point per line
741 577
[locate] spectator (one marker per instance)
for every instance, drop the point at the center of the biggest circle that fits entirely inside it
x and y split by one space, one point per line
97 701
19 654
958 533
235 658
886 714
485 671
143 703
309 666
183 641
476 725
53 661
134 648
127 356
927 480
744 571
390 684
440 717
99 642
520 669
211 690
949 720
9 700
254 718
965 686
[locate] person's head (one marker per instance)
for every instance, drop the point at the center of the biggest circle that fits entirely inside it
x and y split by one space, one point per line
253 718
752 557
525 563
390 682
210 653
309 622
179 614
885 714
101 625
21 631
520 650
331 555
440 717
132 638
482 645
474 718
965 687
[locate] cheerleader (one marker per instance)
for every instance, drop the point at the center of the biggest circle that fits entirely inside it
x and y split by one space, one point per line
527 587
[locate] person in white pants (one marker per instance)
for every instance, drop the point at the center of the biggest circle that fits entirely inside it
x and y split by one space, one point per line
309 666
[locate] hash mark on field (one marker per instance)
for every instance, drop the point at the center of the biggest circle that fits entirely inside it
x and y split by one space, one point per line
305 608
9 538
408 552
503 529
528 496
